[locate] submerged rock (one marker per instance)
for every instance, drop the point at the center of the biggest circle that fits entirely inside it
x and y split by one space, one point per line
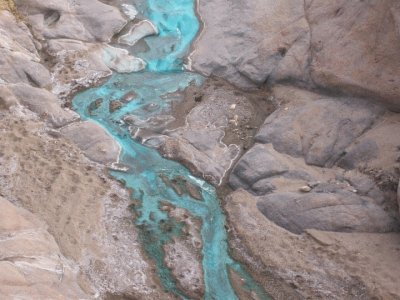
115 105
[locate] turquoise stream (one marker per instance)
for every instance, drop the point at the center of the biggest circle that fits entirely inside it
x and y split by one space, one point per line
178 26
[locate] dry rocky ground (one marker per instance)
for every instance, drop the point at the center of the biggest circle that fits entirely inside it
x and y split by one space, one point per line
310 150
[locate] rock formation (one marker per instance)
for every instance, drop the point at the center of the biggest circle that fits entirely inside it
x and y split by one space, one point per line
341 46
305 131
78 235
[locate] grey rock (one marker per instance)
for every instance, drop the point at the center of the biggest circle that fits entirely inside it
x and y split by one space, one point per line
19 59
319 130
342 53
343 212
199 143
81 64
7 98
93 140
309 43
261 187
365 186
120 60
16 36
257 164
77 20
16 68
199 162
363 151
376 149
43 103
253 41
262 170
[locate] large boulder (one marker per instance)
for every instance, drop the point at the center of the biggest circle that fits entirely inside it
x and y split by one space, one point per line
351 46
17 68
340 211
16 36
80 63
211 164
77 20
355 47
93 140
257 165
378 148
319 129
19 59
40 101
31 263
253 41
319 264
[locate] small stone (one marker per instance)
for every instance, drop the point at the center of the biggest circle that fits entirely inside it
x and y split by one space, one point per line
233 106
305 189
128 97
94 105
119 167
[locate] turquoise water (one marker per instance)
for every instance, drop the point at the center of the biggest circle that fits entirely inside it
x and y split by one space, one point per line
178 26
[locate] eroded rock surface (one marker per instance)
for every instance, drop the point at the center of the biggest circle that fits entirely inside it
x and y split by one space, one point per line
319 130
342 211
87 214
93 140
292 167
43 103
219 124
78 20
339 45
272 37
318 264
31 264
20 61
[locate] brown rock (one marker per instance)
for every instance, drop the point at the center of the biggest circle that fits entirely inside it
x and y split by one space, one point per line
347 46
355 47
115 105
31 263
302 261
93 140
128 97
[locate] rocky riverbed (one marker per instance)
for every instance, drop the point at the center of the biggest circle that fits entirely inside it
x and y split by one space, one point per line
295 123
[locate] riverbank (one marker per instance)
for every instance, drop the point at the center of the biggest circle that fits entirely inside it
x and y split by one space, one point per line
333 152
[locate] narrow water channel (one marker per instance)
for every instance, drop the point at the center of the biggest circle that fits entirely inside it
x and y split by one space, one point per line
178 25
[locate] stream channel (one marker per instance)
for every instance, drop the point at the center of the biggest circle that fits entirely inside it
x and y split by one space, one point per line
164 54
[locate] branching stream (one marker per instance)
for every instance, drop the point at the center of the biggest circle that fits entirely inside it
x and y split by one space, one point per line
142 96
